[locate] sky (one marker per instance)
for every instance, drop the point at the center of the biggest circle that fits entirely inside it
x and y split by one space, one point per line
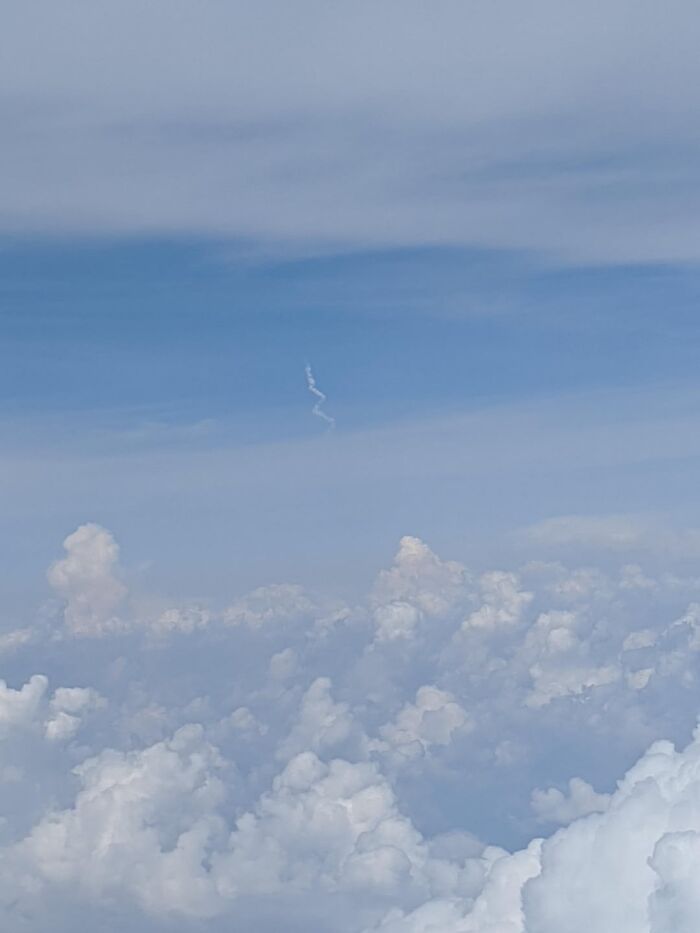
419 653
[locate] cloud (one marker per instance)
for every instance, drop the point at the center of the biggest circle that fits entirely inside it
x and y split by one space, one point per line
19 708
555 806
284 760
87 580
323 725
503 601
138 828
67 708
419 577
629 869
58 717
272 604
364 142
621 533
561 659
431 720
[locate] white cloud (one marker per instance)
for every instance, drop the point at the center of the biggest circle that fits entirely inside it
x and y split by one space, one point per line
555 806
30 708
396 620
20 708
180 619
417 585
334 826
617 533
432 719
496 909
323 726
561 663
67 707
139 827
326 774
419 578
86 578
503 601
277 603
630 869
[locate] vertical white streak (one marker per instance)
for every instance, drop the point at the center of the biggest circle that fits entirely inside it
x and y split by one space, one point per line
317 410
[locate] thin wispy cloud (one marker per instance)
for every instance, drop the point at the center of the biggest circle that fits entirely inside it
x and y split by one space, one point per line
386 152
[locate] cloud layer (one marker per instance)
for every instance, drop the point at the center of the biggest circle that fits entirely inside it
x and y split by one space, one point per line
392 765
567 130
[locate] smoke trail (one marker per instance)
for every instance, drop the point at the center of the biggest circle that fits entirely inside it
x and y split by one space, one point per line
320 398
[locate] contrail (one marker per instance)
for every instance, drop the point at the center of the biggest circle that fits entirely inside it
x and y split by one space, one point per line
320 398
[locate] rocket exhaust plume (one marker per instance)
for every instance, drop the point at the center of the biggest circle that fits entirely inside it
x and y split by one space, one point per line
317 410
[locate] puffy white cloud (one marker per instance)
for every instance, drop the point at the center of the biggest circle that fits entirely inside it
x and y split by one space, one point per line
277 603
139 827
29 708
86 578
503 601
326 736
599 871
431 720
561 663
335 826
496 909
396 620
416 586
184 619
323 725
629 869
20 708
66 709
418 577
555 806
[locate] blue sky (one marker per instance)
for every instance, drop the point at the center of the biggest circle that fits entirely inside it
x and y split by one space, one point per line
192 330
149 351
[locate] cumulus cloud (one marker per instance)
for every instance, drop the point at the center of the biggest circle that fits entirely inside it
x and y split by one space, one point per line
630 869
19 708
323 726
418 577
301 762
556 806
561 660
276 603
138 828
502 601
87 579
431 720
67 707
58 716
416 586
